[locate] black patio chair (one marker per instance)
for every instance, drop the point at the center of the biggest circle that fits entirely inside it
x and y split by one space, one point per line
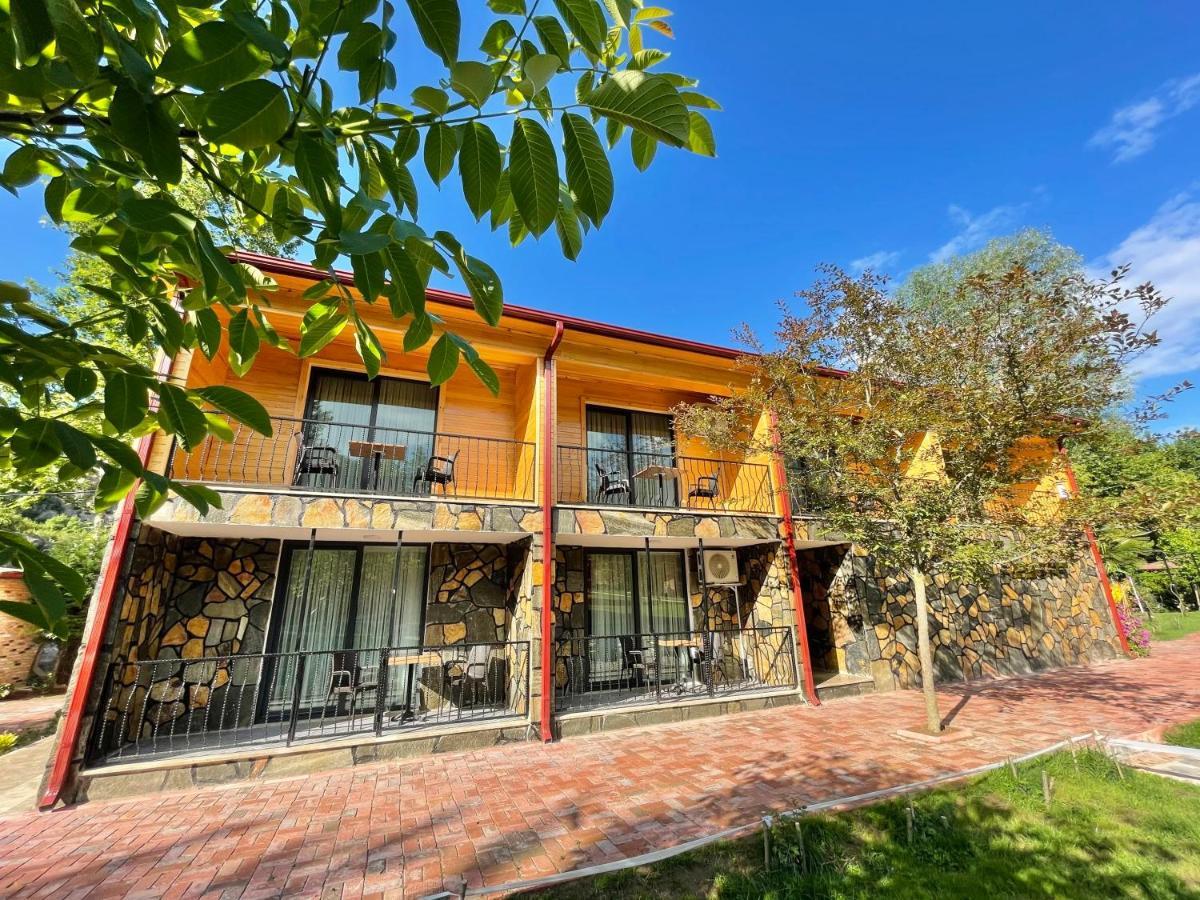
708 487
315 461
438 470
612 484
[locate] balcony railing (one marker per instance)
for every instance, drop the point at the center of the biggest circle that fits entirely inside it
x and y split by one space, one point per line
662 481
182 706
631 669
335 457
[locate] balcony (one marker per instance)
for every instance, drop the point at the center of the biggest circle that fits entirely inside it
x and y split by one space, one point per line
317 456
172 707
650 480
612 671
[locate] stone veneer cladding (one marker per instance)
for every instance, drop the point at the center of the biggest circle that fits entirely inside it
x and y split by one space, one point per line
861 620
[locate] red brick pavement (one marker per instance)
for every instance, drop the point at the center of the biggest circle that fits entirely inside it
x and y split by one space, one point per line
35 711
521 811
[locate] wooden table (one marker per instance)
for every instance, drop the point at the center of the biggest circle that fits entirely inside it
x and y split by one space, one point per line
662 473
377 452
679 642
412 660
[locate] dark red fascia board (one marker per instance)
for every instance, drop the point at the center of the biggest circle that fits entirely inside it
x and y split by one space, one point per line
277 266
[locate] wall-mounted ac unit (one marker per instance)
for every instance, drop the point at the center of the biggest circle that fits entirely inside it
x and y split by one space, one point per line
720 567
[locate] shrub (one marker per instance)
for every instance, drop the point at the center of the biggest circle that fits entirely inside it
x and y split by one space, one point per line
8 740
1136 632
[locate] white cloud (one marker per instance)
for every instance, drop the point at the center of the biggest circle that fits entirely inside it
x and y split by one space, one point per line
878 261
1166 251
975 231
1133 129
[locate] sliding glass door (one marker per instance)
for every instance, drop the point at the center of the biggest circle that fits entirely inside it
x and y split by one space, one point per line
366 435
632 595
628 445
357 598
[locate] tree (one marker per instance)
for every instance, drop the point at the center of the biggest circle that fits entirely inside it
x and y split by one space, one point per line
930 440
107 105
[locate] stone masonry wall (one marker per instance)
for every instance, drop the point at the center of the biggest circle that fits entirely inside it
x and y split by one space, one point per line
861 619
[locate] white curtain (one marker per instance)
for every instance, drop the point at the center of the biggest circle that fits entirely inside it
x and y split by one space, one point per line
610 604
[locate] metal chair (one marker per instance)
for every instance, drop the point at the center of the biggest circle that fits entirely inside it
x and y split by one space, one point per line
612 484
641 663
474 669
707 488
438 470
315 461
348 679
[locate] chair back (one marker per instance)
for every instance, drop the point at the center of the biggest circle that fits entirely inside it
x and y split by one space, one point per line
478 658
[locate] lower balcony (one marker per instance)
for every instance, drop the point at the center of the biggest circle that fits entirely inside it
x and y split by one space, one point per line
170 707
614 671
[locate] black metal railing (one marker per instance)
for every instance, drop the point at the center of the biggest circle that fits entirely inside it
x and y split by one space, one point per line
662 481
630 669
175 706
363 459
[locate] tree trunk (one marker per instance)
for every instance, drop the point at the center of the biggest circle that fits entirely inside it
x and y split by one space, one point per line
933 717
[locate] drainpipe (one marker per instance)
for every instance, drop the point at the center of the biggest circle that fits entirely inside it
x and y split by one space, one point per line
789 539
549 416
1101 571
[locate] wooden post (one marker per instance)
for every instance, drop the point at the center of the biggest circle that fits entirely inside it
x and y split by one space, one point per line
910 820
1047 784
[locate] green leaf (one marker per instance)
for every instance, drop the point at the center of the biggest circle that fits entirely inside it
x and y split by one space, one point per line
700 136
621 11
114 484
119 452
208 332
31 25
318 330
238 405
179 416
370 350
643 147
317 168
361 46
474 81
485 373
80 382
362 241
441 146
433 99
405 290
507 7
126 400
539 70
553 38
243 343
566 224
586 21
479 165
34 445
248 115
144 128
647 103
419 332
75 445
30 613
155 215
589 175
482 282
439 23
533 174
368 274
496 40
443 360
211 56
691 98
74 39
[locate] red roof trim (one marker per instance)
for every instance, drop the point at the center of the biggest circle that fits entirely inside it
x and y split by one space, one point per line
277 266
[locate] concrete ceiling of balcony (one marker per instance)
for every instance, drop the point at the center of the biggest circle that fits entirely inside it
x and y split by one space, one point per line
351 535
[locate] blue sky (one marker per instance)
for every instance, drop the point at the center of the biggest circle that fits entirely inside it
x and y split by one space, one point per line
893 133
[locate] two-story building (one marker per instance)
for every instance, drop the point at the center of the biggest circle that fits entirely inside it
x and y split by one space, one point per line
400 568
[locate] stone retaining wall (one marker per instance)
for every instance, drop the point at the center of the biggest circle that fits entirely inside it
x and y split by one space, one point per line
862 620
639 523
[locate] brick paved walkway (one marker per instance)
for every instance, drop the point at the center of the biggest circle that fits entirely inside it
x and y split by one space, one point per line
36 711
520 811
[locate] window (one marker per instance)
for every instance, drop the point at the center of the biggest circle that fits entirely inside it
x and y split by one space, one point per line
621 446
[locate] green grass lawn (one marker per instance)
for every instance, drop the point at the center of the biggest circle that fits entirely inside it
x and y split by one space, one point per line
1170 625
1187 735
1103 836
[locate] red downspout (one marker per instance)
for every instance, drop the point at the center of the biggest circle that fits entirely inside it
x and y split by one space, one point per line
789 538
549 416
110 574
1101 569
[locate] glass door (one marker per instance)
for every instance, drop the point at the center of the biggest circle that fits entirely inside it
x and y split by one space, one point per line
341 605
611 613
631 446
366 435
663 609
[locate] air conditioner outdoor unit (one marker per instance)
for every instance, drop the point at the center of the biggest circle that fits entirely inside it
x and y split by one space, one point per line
720 567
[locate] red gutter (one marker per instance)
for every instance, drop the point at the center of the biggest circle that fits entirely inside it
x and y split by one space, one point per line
1097 558
110 574
295 269
549 392
789 539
